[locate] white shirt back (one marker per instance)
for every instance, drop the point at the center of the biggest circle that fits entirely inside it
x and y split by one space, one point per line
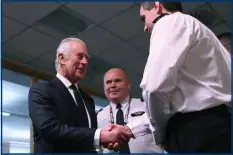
187 68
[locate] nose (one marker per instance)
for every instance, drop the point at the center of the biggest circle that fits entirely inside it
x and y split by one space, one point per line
84 61
113 84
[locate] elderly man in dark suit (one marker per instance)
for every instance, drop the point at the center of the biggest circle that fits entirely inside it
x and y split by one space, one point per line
63 116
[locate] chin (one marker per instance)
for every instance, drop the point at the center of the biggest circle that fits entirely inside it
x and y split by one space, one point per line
80 76
114 97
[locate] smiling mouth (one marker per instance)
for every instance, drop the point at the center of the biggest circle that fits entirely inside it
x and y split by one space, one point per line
81 70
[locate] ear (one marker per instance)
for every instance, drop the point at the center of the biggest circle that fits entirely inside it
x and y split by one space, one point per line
61 58
157 7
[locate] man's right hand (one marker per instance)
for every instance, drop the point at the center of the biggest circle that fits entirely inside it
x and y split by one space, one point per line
114 134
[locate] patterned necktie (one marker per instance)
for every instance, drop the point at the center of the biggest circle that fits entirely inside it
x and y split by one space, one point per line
120 121
81 107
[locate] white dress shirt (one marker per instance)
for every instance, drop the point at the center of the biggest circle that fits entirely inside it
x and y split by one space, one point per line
124 108
67 84
132 125
187 68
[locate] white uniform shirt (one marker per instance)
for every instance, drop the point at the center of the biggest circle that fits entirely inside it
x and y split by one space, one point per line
187 68
124 108
138 123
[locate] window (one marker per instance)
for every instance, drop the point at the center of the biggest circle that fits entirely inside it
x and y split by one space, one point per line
15 119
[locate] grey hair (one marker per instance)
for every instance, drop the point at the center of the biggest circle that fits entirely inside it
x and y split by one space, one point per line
169 6
147 5
64 47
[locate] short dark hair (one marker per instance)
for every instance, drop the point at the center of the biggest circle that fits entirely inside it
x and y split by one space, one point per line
169 6
224 35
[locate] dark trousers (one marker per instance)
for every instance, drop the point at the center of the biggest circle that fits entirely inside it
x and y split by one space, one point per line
206 131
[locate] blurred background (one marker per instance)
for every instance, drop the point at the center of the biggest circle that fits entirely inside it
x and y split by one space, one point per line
115 38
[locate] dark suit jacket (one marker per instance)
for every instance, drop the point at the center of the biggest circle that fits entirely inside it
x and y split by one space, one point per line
57 124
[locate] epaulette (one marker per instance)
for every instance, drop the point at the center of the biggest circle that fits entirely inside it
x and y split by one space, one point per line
99 111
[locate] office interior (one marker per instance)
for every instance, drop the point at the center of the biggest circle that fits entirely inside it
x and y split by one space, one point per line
113 32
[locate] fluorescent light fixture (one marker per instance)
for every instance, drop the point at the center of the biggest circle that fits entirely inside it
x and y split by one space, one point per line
19 143
22 134
5 114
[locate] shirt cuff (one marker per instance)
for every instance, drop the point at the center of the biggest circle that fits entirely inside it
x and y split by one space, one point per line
97 138
131 126
134 128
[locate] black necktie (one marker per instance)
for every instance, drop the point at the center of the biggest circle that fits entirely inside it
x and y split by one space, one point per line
120 121
81 107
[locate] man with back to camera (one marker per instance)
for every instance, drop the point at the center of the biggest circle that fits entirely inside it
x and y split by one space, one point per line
63 116
189 69
125 110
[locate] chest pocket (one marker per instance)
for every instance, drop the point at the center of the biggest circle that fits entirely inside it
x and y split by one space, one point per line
135 115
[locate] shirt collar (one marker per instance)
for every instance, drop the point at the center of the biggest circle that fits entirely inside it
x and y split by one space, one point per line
153 29
65 81
123 103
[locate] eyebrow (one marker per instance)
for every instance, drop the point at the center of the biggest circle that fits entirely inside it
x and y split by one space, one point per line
117 79
88 55
84 53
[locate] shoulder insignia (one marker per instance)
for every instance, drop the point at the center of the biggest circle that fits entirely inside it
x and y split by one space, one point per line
139 113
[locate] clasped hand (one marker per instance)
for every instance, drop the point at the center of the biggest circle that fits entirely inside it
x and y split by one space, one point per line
114 136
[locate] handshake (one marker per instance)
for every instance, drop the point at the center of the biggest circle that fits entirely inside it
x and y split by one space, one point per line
114 136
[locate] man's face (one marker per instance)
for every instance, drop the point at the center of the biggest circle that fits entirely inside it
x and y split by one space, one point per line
116 85
75 64
147 17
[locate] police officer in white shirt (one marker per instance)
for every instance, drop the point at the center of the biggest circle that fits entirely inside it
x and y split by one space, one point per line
189 69
124 110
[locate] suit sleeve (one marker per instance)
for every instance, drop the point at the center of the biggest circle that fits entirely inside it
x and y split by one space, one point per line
44 117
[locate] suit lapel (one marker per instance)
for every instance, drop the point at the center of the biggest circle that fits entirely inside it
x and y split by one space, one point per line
68 99
90 109
63 91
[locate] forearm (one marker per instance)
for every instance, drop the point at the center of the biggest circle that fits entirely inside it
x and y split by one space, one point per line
156 112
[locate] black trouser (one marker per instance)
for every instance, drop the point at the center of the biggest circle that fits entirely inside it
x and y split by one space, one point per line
206 131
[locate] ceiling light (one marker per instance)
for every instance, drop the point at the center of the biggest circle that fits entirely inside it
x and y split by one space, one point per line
5 114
